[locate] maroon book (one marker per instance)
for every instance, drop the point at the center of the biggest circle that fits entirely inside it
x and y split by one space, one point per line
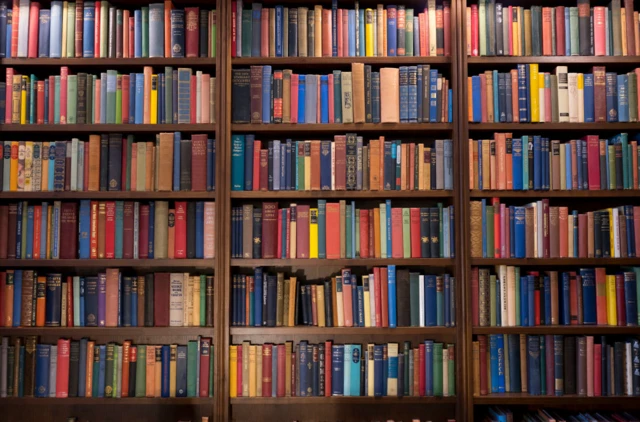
264 169
11 231
281 390
143 232
69 230
302 231
267 369
161 299
621 303
127 230
341 162
269 230
199 162
4 230
599 93
192 32
256 94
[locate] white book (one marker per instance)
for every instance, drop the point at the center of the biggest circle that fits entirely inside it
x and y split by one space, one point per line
616 233
541 98
23 28
347 92
80 182
392 382
431 4
628 363
511 295
502 276
573 97
563 93
372 300
65 18
4 355
176 300
445 372
580 83
73 152
53 370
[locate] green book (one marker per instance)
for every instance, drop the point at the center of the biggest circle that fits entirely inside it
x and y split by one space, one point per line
192 375
71 29
112 76
300 166
349 233
72 98
612 166
246 33
452 370
383 231
114 376
141 372
211 364
33 87
145 31
406 232
203 301
118 117
168 95
490 243
575 35
214 23
492 300
56 100
517 279
128 169
108 370
408 38
437 369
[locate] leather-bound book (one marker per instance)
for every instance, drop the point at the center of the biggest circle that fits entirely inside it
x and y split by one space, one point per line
112 297
192 33
149 300
27 298
390 96
161 300
29 365
199 162
191 230
69 230
403 299
74 368
269 229
185 164
357 84
209 301
165 175
240 88
143 232
205 365
599 93
476 229
340 162
127 230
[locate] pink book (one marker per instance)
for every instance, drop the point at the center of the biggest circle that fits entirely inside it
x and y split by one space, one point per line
339 35
504 218
294 98
510 17
590 366
8 96
288 239
64 73
134 166
345 31
597 370
204 105
507 234
96 98
347 297
318 99
332 111
599 31
279 254
514 95
96 31
34 11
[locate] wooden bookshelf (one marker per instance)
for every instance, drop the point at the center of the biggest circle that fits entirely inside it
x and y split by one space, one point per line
103 196
294 194
339 128
569 194
338 61
107 128
105 62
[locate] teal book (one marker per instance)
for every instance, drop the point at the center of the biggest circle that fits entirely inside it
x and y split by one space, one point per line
192 373
145 32
237 162
33 86
119 229
72 96
56 101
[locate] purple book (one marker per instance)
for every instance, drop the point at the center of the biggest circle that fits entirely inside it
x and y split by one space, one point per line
102 299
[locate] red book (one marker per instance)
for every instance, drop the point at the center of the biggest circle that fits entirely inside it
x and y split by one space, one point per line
421 364
264 32
331 99
280 233
62 372
132 36
327 367
125 100
68 230
79 27
378 284
239 370
482 342
96 31
496 227
127 230
396 233
181 230
597 370
194 84
475 296
256 165
110 230
161 300
333 230
37 228
601 297
546 31
446 13
69 301
199 162
287 243
536 301
294 97
112 297
593 160
127 352
40 103
573 298
384 296
364 234
269 228
630 29
3 296
4 233
192 32
9 95
371 235
267 369
281 390
560 36
51 99
326 33
64 74
339 33
264 169
205 365
341 162
234 30
143 232
621 304
474 30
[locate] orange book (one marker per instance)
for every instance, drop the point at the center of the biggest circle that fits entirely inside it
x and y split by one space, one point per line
563 218
89 370
501 158
94 163
384 295
171 234
381 154
374 170
126 350
134 166
8 299
333 230
167 32
37 223
326 33
149 168
601 296
41 293
546 31
151 370
146 116
14 29
473 164
112 297
125 34
96 101
376 232
509 160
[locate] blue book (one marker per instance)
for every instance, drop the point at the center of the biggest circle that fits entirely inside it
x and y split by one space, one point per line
611 90
248 160
630 298
352 32
82 369
17 297
567 33
431 318
324 99
579 153
392 30
433 95
8 33
90 314
493 353
524 301
547 300
450 106
177 33
325 165
392 296
589 295
302 98
623 98
165 384
517 154
266 94
575 233
523 93
132 98
379 378
428 367
181 371
322 225
287 169
137 22
101 372
388 204
477 102
447 300
305 363
311 98
44 30
176 161
589 104
3 31
537 163
279 28
139 93
29 230
361 50
360 305
88 37
43 359
565 308
199 229
419 91
508 98
237 162
55 38
558 364
412 94
346 378
258 297
533 365
119 229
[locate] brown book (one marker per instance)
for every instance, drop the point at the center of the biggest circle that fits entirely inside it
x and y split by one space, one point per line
102 218
483 297
581 369
247 231
315 165
69 230
476 229
390 95
160 230
256 94
28 284
590 235
161 299
555 318
286 96
151 370
341 162
165 164
599 93
529 232
554 246
149 167
94 163
374 170
357 82
29 365
476 368
269 230
199 162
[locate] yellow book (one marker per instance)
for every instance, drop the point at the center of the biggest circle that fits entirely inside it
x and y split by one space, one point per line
623 25
252 371
287 368
153 108
368 32
13 183
293 289
44 154
366 298
533 90
16 90
320 300
515 30
293 236
23 100
245 368
612 235
172 370
313 233
421 167
570 224
612 314
196 301
65 12
233 371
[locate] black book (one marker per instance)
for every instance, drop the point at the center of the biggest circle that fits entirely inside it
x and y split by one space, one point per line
293 32
114 172
618 368
403 301
74 368
191 230
257 233
619 178
148 301
569 365
499 40
240 92
635 369
185 164
298 310
133 364
104 162
204 32
328 305
368 115
584 27
434 176
605 227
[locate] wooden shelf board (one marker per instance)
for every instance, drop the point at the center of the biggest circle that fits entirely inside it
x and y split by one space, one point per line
341 400
566 400
555 194
569 60
83 401
104 128
104 331
108 195
111 263
434 262
319 194
341 127
559 329
546 127
591 262
142 61
334 61
340 331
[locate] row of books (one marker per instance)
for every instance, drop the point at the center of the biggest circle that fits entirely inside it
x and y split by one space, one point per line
538 163
411 94
342 164
107 229
526 95
110 162
279 31
328 369
172 96
495 414
83 368
501 30
98 29
556 365
513 296
537 230
379 299
335 230
109 299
